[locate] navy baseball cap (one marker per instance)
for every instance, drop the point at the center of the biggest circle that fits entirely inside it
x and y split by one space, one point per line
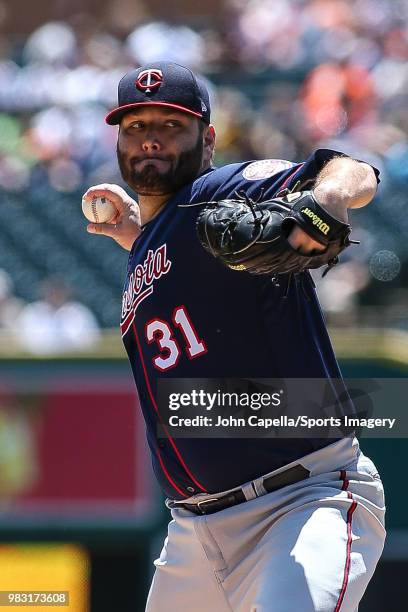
161 84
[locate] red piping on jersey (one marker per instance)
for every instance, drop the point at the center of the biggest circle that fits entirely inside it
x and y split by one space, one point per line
169 478
176 450
285 184
128 320
349 540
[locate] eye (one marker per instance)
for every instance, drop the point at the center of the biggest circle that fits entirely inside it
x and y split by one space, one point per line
172 123
137 125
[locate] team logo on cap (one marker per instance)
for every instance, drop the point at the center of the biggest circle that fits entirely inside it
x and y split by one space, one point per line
149 79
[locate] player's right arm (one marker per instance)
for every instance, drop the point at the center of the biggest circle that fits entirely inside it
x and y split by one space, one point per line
124 228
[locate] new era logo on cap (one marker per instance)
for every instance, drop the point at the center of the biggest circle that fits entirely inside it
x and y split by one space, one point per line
162 84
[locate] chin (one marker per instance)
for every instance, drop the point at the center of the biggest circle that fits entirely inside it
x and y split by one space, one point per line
149 184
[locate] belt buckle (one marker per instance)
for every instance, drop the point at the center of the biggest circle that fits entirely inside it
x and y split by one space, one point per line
205 501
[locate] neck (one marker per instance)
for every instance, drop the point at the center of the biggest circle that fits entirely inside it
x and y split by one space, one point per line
150 206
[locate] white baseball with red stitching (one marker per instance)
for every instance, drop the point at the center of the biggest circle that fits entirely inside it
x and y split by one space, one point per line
98 209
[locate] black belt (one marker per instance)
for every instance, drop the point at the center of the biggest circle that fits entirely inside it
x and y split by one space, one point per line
237 496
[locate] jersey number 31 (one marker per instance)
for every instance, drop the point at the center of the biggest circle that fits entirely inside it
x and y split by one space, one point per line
161 332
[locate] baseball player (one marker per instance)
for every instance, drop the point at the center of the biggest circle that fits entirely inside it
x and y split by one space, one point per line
258 524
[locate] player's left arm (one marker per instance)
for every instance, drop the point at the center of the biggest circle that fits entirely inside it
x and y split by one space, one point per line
343 183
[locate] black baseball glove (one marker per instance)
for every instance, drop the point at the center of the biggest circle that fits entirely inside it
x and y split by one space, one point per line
252 236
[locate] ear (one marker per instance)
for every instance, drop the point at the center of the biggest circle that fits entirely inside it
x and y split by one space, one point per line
208 142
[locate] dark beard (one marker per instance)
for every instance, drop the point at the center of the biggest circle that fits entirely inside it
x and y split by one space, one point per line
149 181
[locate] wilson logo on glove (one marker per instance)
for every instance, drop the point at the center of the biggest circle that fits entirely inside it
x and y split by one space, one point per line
252 236
322 226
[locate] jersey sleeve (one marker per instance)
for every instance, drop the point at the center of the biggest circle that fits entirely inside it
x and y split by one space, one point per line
262 179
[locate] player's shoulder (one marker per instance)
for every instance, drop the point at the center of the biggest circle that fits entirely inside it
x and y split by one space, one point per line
224 181
217 176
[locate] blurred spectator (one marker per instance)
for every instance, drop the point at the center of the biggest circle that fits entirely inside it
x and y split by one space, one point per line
155 41
336 96
10 306
52 43
56 324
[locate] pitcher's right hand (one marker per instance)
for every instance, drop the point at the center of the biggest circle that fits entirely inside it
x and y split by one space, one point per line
124 228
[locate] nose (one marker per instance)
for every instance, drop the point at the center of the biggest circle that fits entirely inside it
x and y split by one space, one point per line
151 143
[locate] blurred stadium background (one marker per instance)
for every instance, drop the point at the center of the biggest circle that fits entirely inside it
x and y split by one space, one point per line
77 503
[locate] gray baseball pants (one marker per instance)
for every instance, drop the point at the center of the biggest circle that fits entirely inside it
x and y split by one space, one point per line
311 546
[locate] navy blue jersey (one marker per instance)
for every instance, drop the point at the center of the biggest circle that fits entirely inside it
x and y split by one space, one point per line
185 315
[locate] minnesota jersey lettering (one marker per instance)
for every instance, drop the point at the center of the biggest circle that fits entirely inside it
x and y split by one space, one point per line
140 285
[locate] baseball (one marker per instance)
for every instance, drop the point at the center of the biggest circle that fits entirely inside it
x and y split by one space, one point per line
98 210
